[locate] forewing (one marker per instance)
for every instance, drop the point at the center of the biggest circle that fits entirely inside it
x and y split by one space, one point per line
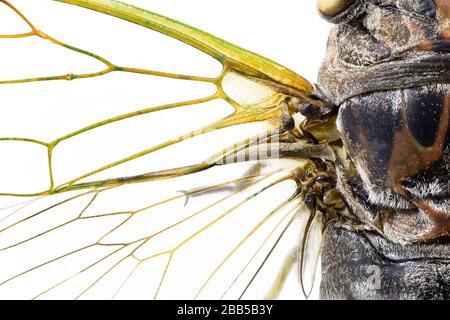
102 148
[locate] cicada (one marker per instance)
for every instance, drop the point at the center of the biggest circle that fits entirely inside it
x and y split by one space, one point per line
129 173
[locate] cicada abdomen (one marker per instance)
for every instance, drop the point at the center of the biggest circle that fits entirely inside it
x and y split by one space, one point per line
388 67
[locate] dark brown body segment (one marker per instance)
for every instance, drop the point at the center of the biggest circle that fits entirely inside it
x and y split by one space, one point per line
400 43
388 68
410 273
398 141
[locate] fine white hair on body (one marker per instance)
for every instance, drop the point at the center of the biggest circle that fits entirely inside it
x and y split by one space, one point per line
427 189
381 196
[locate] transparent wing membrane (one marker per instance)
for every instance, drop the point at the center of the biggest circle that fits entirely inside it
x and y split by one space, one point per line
123 177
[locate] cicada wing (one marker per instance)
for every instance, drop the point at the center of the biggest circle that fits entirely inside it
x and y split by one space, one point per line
308 254
291 267
140 240
101 148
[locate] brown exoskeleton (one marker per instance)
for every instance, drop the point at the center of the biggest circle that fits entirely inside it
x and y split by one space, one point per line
388 68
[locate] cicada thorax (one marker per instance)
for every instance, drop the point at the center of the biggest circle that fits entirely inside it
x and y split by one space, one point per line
387 67
399 143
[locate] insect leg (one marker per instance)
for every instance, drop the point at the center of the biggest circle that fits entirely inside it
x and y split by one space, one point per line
253 172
